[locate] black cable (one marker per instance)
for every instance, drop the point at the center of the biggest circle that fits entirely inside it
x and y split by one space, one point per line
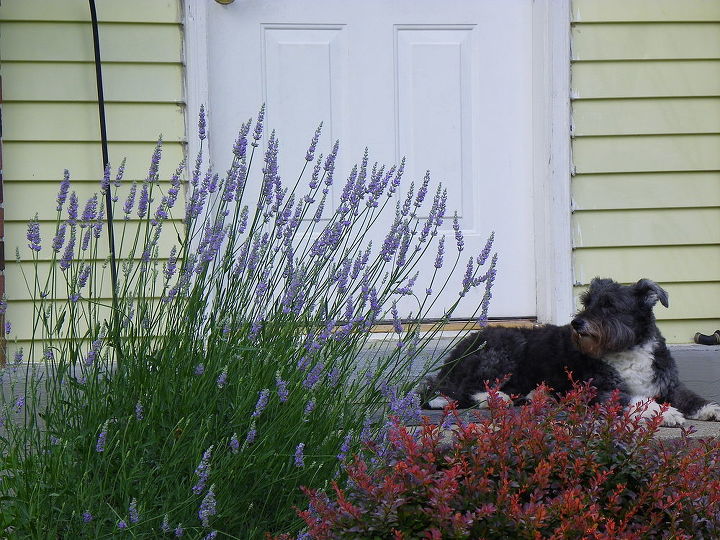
106 161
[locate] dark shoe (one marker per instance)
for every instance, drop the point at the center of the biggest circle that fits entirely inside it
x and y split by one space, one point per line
713 339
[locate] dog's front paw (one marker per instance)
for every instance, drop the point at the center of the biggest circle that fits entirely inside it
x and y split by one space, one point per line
671 417
709 411
438 403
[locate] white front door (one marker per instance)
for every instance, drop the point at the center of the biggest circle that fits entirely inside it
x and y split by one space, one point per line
447 84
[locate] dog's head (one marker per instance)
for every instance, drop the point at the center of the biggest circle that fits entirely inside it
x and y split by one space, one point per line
615 317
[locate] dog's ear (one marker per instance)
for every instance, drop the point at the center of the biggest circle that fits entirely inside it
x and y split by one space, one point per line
650 292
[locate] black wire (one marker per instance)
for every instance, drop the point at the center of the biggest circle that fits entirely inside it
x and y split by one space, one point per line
106 161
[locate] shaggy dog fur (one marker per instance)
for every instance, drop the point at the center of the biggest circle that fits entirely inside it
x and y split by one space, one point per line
613 342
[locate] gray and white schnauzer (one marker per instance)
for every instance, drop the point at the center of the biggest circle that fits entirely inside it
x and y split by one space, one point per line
613 342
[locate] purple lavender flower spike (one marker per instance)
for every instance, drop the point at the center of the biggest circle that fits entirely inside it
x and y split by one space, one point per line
251 435
69 251
73 209
98 225
102 438
321 206
440 253
33 234
240 146
8 327
133 511
179 531
90 212
255 329
139 411
342 276
202 471
105 182
211 535
309 407
330 164
441 209
345 447
408 200
94 351
87 517
282 389
222 379
64 188
243 219
262 402
144 201
467 279
234 444
83 276
397 179
374 303
407 408
397 323
310 154
213 184
348 190
314 180
391 242
299 457
120 173
199 369
422 192
155 162
407 289
170 266
130 201
460 242
404 245
314 376
270 171
122 524
485 253
207 507
202 123
257 134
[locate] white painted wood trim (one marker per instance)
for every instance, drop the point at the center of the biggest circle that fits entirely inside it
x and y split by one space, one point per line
552 160
196 76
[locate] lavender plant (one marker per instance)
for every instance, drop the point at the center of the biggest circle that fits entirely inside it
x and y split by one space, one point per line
236 366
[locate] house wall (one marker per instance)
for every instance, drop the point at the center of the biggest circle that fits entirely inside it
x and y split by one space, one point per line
50 113
646 152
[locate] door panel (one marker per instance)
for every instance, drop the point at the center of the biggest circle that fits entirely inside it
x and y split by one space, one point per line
447 84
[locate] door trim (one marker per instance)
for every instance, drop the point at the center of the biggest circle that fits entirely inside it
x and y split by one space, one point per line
551 140
552 160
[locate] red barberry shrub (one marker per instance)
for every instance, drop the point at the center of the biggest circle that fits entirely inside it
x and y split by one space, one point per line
549 469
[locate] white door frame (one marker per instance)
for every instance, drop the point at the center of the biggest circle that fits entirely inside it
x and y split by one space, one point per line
551 141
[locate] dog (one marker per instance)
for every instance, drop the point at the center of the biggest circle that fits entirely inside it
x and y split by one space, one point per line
613 343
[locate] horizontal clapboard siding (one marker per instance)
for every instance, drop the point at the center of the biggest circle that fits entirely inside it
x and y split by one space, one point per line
646 133
50 116
646 190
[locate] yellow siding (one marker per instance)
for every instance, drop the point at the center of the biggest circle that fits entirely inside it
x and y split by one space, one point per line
664 116
646 190
50 113
646 133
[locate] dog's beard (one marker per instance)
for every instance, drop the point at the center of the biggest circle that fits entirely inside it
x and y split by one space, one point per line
597 340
